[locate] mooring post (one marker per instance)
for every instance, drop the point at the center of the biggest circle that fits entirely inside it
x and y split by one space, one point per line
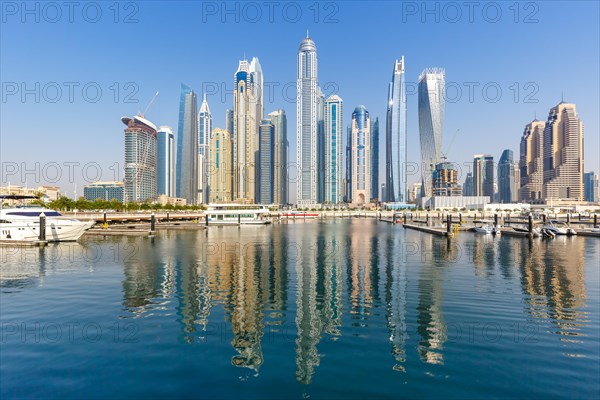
427 219
239 219
460 218
544 217
205 219
448 224
568 218
167 217
42 234
595 220
152 222
405 218
495 220
530 224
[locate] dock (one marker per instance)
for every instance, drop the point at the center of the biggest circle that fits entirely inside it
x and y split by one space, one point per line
427 229
23 243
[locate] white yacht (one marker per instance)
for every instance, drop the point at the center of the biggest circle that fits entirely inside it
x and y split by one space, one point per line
23 223
232 214
559 228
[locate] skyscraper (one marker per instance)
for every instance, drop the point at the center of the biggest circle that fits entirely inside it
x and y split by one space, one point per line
431 123
280 157
247 115
165 161
320 145
204 130
361 156
221 167
375 159
468 186
348 172
395 133
483 175
563 154
332 173
531 161
590 187
508 178
140 159
266 138
306 128
187 146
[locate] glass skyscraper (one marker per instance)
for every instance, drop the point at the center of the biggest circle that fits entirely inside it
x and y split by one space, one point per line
266 136
508 177
332 174
590 187
431 123
187 146
531 161
280 157
483 175
165 162
396 138
375 159
306 128
361 156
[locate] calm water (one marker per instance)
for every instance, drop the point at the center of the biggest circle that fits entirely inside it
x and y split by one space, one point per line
343 309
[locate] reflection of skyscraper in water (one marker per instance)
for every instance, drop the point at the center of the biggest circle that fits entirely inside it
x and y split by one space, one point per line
359 274
553 280
431 326
307 321
329 280
246 308
395 300
142 283
483 253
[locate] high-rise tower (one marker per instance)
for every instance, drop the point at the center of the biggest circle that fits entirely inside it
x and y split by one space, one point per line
431 123
306 128
395 133
187 146
361 156
333 150
204 131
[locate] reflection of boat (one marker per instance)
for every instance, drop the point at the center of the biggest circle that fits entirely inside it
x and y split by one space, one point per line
299 214
22 223
232 214
487 228
559 228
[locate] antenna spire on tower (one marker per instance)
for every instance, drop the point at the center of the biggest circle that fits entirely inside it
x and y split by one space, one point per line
307 33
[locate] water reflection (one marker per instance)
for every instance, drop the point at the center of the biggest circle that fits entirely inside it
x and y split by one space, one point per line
324 281
553 280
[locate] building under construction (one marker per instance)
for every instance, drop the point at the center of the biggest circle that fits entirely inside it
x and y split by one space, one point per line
140 159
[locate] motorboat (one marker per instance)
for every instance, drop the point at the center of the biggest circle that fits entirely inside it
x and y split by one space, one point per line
487 227
22 223
234 214
536 231
559 228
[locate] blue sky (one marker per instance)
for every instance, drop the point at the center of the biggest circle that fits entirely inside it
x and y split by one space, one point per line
533 52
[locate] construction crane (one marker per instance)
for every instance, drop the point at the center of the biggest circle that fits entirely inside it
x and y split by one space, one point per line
445 153
149 104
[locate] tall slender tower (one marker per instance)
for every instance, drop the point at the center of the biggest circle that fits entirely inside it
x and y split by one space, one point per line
431 123
563 154
375 159
187 146
165 162
247 114
333 150
321 143
306 128
266 136
361 156
395 133
280 157
204 130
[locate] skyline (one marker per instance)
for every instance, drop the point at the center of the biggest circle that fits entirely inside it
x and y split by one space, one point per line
503 120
